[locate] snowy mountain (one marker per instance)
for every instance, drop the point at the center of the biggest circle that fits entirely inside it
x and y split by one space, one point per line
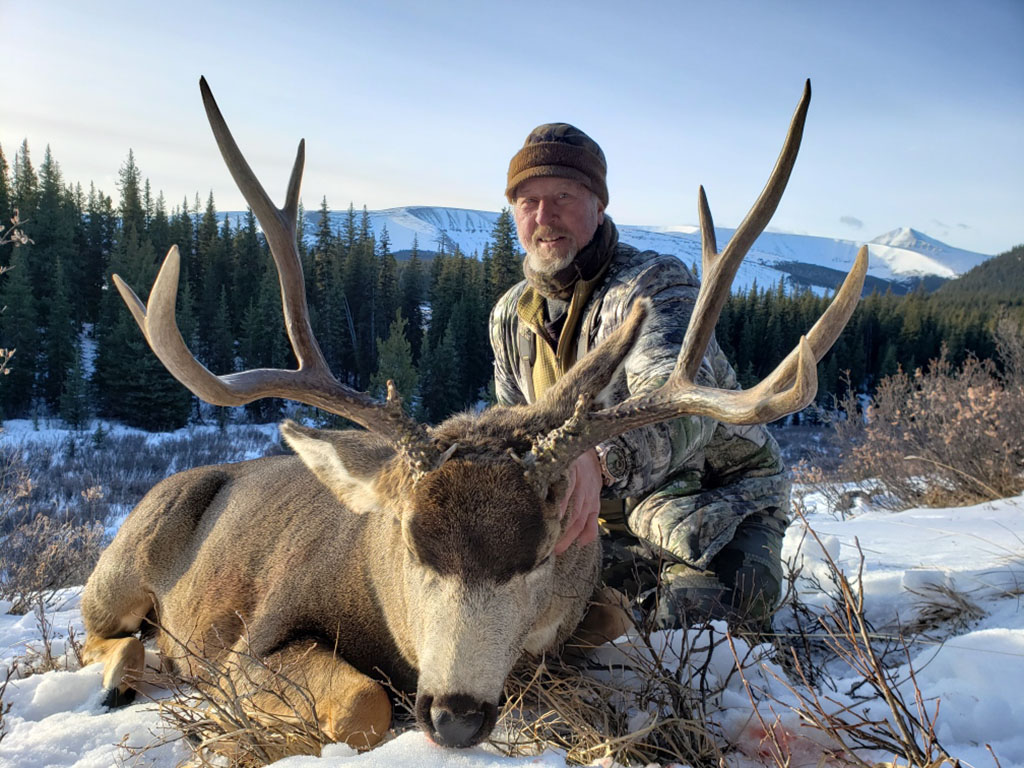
900 257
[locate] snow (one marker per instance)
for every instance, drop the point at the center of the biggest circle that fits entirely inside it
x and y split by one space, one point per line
914 562
899 254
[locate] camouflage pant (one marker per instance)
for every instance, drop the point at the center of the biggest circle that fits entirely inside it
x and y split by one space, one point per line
736 575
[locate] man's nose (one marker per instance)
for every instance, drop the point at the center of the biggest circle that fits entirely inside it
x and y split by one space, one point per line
545 212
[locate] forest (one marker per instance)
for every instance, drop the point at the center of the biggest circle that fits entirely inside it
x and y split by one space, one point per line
421 321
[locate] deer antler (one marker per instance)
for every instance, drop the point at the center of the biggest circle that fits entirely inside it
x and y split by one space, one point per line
312 382
790 387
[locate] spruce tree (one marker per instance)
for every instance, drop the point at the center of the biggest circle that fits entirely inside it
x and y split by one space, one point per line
18 332
60 338
411 300
26 184
394 362
387 300
6 209
438 400
75 402
505 268
132 210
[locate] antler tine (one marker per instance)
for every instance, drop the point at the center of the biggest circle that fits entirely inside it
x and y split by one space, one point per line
312 383
279 227
720 269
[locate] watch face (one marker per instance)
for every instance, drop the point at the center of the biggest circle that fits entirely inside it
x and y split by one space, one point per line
614 463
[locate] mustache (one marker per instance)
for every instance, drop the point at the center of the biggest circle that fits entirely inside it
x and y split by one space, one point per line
548 233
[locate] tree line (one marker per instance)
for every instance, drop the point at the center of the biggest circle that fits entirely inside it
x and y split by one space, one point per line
421 322
79 354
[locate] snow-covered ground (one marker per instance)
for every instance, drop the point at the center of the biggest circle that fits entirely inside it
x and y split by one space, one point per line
975 672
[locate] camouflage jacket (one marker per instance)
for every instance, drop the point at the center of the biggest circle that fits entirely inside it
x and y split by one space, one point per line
688 458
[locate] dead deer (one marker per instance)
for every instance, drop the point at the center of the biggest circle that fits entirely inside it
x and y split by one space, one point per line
419 554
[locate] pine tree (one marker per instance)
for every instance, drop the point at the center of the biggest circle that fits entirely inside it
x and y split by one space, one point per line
60 338
387 298
132 210
411 300
437 397
75 403
394 362
506 270
95 256
19 332
159 226
349 232
54 233
6 209
26 184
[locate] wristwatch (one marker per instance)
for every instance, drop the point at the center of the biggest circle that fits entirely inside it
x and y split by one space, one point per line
613 462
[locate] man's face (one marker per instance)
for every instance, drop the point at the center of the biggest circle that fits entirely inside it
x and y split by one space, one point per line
555 218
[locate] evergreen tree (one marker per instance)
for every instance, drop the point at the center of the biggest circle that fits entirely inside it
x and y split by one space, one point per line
394 362
95 257
60 338
506 269
131 384
6 209
349 232
411 300
132 210
75 403
438 400
54 233
159 226
387 300
19 332
26 183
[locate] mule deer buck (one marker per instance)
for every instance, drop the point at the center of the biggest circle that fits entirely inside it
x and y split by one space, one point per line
420 554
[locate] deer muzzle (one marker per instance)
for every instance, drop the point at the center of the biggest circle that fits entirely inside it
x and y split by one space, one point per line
455 720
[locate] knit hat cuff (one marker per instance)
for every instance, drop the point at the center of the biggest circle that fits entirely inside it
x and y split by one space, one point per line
555 158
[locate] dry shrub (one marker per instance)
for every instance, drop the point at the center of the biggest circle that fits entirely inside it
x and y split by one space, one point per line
216 709
941 437
43 556
841 633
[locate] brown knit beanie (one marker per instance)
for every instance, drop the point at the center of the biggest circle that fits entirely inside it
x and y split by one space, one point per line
562 150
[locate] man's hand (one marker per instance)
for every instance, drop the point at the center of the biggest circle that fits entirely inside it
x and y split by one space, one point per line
582 502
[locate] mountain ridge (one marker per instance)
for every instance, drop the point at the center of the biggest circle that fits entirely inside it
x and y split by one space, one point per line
899 258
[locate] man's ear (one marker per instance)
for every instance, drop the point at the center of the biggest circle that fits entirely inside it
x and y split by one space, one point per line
347 462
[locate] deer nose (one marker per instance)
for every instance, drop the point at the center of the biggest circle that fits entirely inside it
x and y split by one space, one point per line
457 729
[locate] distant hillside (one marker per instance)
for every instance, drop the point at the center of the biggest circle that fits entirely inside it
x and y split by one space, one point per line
999 280
900 260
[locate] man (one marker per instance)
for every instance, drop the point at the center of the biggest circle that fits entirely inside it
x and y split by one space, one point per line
704 503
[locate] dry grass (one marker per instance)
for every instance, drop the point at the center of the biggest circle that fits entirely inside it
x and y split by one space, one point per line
637 702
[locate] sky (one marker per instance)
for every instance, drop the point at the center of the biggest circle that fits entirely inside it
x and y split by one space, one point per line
917 117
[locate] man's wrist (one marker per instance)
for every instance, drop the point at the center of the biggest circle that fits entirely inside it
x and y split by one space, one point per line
613 463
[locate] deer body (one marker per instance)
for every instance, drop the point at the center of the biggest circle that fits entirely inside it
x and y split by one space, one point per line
445 618
424 555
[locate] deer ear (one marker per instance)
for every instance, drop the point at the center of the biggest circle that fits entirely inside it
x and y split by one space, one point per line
347 462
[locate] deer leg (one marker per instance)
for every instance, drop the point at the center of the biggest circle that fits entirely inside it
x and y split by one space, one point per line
113 610
302 679
123 661
607 618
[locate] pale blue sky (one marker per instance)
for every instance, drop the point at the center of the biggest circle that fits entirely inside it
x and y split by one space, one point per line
917 117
